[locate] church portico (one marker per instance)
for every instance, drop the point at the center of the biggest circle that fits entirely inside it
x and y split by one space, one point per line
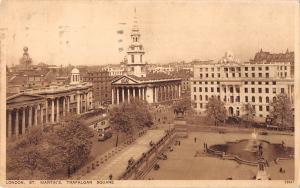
135 83
152 91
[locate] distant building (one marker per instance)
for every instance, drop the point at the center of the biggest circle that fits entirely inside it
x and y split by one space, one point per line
256 82
46 105
135 83
101 87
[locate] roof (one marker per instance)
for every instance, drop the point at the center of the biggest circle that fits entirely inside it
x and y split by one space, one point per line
75 71
279 57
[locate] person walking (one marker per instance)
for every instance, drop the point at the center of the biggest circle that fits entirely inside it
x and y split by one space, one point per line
195 139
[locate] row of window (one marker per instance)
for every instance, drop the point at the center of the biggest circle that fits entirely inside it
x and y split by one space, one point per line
237 99
245 82
253 75
237 90
232 69
260 107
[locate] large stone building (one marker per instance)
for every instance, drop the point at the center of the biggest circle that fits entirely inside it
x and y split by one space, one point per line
101 87
137 84
46 105
256 82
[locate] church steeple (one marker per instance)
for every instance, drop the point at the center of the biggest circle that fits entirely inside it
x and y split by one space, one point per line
135 52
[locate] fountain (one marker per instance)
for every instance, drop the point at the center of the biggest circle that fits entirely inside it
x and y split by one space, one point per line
252 150
253 143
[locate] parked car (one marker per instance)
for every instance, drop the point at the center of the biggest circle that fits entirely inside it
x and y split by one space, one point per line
104 136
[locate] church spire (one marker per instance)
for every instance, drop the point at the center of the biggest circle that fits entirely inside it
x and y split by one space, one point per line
135 53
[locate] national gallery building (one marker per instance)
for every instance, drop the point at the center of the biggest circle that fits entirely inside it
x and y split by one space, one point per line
42 106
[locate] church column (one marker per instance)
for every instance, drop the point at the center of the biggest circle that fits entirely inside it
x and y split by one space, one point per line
23 120
64 106
128 94
156 94
46 106
9 128
52 110
42 115
57 109
17 123
30 117
112 96
139 93
123 94
35 116
153 93
143 97
133 92
118 96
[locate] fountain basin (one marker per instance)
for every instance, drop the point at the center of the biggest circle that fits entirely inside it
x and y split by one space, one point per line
245 150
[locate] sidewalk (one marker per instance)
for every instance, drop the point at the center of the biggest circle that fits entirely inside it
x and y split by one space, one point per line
118 163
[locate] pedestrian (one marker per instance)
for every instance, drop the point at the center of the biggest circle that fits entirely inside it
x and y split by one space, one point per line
195 139
110 177
179 142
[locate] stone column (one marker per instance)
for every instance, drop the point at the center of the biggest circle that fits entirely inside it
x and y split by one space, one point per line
46 113
35 116
86 102
112 96
17 123
78 103
133 92
52 110
156 94
68 103
23 120
42 114
9 128
30 117
64 106
139 93
123 94
154 98
57 109
143 94
179 92
118 96
128 94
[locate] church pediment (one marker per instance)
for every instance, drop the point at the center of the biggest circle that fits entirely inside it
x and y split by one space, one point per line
125 80
23 97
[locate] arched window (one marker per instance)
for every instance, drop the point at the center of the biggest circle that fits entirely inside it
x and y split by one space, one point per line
267 100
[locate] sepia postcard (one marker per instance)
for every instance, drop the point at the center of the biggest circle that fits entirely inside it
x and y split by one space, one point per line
150 93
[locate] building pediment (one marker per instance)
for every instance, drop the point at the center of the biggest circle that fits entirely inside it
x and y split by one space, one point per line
125 80
23 98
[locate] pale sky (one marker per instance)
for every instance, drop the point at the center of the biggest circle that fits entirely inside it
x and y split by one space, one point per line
171 30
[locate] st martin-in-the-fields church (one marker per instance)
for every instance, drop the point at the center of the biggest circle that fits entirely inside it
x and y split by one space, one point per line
135 83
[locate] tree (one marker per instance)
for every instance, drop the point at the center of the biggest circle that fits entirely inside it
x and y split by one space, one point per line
28 156
71 142
41 154
129 117
282 112
183 105
249 113
215 110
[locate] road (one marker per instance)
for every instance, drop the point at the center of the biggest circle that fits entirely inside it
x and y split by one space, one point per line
118 163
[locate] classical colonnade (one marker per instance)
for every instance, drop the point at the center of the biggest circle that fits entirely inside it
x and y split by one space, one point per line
22 116
149 93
